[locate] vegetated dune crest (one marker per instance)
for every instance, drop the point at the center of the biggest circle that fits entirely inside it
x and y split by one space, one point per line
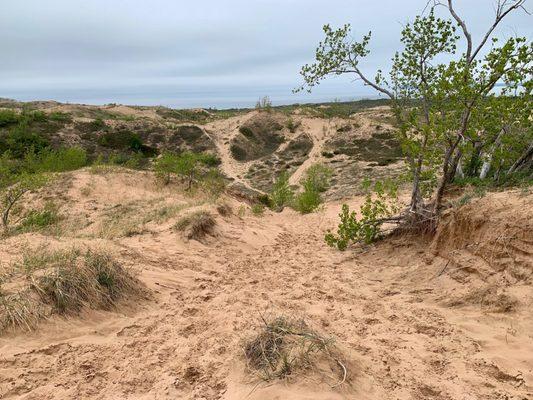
409 318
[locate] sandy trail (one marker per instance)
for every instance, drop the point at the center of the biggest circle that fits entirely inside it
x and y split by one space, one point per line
221 132
382 305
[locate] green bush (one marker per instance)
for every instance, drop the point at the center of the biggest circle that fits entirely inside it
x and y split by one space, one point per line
258 209
376 208
60 117
40 219
188 166
246 131
309 200
62 160
21 139
281 194
315 181
8 117
121 140
213 183
36 116
134 160
318 176
292 125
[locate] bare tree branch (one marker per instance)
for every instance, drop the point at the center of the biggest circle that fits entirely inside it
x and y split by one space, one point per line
501 12
463 26
503 8
374 85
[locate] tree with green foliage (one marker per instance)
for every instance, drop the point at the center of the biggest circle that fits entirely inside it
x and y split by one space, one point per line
14 185
442 107
187 165
379 207
281 194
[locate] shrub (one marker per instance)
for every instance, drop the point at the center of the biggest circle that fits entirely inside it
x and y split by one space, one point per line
281 194
213 183
318 177
8 117
96 281
188 165
374 213
40 219
308 200
62 160
196 225
284 348
224 209
21 139
292 125
13 187
133 160
258 209
238 152
60 117
122 139
246 131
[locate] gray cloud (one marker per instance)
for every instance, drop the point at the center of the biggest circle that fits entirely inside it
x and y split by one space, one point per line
210 53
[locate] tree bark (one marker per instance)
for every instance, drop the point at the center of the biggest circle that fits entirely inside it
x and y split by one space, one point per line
485 168
453 168
445 171
525 159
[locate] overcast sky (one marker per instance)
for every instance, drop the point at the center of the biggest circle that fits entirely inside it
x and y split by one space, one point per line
220 53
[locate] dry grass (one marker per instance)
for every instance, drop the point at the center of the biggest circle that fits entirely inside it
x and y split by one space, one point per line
63 282
196 225
224 209
285 348
126 220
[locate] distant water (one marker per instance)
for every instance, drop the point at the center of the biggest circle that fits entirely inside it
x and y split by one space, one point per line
190 97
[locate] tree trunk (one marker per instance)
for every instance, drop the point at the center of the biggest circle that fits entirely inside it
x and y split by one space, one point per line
417 170
525 159
485 168
453 167
459 171
445 171
473 164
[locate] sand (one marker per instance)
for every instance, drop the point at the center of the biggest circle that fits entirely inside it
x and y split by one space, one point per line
387 306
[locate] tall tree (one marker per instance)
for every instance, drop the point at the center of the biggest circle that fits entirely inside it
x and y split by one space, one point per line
441 106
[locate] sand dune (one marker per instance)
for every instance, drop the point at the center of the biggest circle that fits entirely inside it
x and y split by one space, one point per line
388 307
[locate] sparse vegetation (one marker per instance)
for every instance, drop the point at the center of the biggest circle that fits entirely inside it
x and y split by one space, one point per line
264 103
13 187
292 125
64 282
379 207
315 181
224 209
281 194
196 225
36 220
285 348
189 166
258 209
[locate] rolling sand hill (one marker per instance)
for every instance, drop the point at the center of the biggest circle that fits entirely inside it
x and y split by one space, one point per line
447 317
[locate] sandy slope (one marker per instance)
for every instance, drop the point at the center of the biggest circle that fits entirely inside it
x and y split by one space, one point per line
386 306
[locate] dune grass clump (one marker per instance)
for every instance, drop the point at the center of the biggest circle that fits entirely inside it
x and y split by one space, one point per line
258 209
38 220
224 209
285 348
196 225
63 282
